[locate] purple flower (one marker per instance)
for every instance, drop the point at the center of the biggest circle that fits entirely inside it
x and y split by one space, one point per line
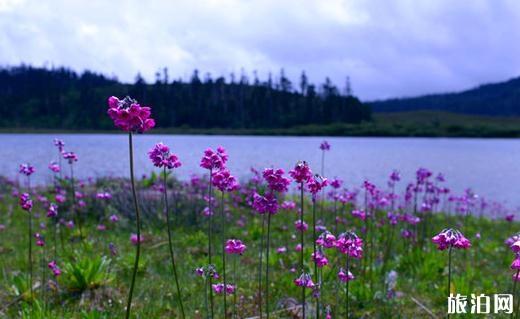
54 268
219 289
70 156
301 172
114 218
26 169
224 181
52 211
53 166
288 205
275 180
59 144
161 157
359 214
25 202
345 275
265 204
235 246
336 183
129 115
301 226
451 238
134 239
104 196
350 244
304 280
214 160
320 259
316 184
326 240
325 146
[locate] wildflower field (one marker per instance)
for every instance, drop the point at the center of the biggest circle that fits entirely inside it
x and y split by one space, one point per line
269 243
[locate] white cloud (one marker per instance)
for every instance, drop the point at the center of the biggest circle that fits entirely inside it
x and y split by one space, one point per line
389 48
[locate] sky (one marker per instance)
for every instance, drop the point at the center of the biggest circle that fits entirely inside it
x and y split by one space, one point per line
389 48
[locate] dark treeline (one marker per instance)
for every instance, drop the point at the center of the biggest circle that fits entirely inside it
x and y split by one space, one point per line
59 98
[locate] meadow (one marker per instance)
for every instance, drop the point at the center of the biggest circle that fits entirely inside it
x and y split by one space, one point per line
271 244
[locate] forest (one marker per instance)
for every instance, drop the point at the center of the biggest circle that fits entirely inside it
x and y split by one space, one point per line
61 99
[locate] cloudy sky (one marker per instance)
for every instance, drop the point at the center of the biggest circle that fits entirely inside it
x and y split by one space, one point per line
389 48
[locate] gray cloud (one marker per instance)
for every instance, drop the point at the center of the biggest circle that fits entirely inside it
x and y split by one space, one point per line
388 48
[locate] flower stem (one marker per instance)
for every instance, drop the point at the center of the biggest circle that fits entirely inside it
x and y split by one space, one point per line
30 246
267 265
449 274
223 216
260 267
170 245
210 235
514 289
346 287
138 225
316 278
74 210
301 244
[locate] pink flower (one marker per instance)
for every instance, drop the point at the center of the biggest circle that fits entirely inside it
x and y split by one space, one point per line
265 204
516 276
39 240
359 214
304 280
301 226
326 240
59 144
320 259
345 276
301 172
298 247
275 180
451 238
53 166
288 205
235 246
54 268
101 227
515 247
161 157
52 211
70 156
281 250
316 184
224 181
104 196
70 224
134 239
25 202
129 116
325 146
26 169
114 218
60 198
516 264
510 217
219 289
214 160
336 183
350 244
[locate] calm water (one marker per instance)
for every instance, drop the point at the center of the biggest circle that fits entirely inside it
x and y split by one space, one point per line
489 167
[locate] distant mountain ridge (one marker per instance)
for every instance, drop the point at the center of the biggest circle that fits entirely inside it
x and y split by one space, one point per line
495 99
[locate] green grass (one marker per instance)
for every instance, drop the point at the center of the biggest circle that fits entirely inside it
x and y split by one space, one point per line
94 284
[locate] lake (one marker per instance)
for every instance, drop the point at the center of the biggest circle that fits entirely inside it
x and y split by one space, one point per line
488 166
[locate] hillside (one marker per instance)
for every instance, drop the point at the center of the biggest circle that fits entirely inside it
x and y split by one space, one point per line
497 99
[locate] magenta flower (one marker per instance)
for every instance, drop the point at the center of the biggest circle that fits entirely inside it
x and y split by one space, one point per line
235 246
350 244
70 224
316 184
26 169
516 263
161 157
451 238
129 115
224 181
281 250
301 172
359 214
70 156
114 218
301 226
288 205
101 227
39 240
345 276
336 183
510 217
219 289
275 180
265 204
25 202
320 259
52 211
53 166
326 240
214 160
325 146
56 271
515 247
304 280
104 196
59 144
395 176
134 239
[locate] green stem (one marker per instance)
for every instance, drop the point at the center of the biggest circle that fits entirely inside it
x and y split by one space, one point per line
138 224
223 216
210 235
301 244
316 279
449 275
267 265
30 246
260 302
514 289
346 286
167 211
235 315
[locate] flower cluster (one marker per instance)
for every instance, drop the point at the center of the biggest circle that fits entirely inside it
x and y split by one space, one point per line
104 196
224 181
214 160
350 244
316 184
326 240
345 275
129 116
320 259
39 240
134 239
219 289
70 156
59 144
301 172
265 204
325 146
161 157
359 214
26 169
301 226
235 246
52 211
53 166
56 271
207 272
275 180
305 280
25 202
451 238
